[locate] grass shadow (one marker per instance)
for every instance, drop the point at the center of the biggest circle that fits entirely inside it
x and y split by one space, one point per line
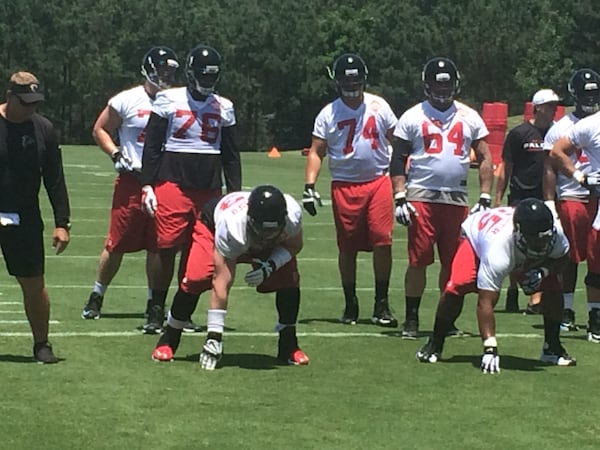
250 361
507 362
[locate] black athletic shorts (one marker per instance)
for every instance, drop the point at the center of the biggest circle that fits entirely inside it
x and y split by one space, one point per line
23 247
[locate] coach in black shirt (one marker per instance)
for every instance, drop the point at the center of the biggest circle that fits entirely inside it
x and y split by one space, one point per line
29 153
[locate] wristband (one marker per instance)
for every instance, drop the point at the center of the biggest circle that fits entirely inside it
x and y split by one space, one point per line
485 196
400 195
115 156
280 257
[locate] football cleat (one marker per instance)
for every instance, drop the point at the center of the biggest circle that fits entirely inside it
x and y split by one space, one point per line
156 316
454 332
568 321
382 315
557 357
429 353
191 327
593 331
43 354
410 329
532 309
92 308
296 358
163 353
350 316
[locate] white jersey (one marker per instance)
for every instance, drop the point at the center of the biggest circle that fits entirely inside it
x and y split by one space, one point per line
194 125
356 138
441 145
231 218
568 187
585 135
133 107
491 235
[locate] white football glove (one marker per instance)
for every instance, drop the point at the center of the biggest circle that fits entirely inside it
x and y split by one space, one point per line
261 273
310 199
485 202
404 209
149 202
211 354
121 162
490 361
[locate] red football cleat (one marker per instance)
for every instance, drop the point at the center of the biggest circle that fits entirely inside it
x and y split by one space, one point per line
298 358
162 353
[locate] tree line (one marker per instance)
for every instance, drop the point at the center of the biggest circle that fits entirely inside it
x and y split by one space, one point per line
276 52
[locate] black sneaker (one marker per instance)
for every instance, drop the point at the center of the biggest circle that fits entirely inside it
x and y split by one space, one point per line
350 316
512 300
410 329
429 353
382 315
42 353
93 306
593 331
156 316
533 309
568 321
557 356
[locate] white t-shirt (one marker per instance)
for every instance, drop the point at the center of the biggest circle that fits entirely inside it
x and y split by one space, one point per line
194 125
231 218
133 107
356 138
567 187
491 235
585 135
441 145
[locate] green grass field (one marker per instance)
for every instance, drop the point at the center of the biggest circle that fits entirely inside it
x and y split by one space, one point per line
363 389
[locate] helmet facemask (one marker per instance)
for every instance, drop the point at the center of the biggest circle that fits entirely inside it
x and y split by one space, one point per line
205 79
441 81
535 245
584 87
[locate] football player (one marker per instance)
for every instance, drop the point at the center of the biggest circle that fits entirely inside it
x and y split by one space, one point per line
263 228
523 167
574 206
354 132
190 140
526 241
585 136
430 191
130 229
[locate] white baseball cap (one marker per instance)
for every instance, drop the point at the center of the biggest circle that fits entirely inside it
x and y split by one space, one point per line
544 96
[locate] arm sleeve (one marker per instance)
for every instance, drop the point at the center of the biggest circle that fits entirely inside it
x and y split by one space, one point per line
156 131
230 159
54 179
400 154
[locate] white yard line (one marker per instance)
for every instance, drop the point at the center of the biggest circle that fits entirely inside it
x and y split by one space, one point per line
249 334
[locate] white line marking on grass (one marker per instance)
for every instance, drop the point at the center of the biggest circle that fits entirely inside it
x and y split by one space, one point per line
11 303
11 322
249 334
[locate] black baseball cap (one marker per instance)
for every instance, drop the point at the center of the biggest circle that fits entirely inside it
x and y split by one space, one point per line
26 86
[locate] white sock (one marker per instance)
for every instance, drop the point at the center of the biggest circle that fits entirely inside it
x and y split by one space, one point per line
99 288
593 306
215 321
568 298
149 294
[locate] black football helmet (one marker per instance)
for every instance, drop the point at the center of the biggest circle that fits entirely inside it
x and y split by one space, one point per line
534 230
350 75
159 66
441 81
203 69
584 87
267 212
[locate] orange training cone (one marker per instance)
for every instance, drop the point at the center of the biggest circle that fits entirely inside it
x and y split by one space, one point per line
274 153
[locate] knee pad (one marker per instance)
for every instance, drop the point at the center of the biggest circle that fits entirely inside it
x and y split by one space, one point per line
288 304
592 280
